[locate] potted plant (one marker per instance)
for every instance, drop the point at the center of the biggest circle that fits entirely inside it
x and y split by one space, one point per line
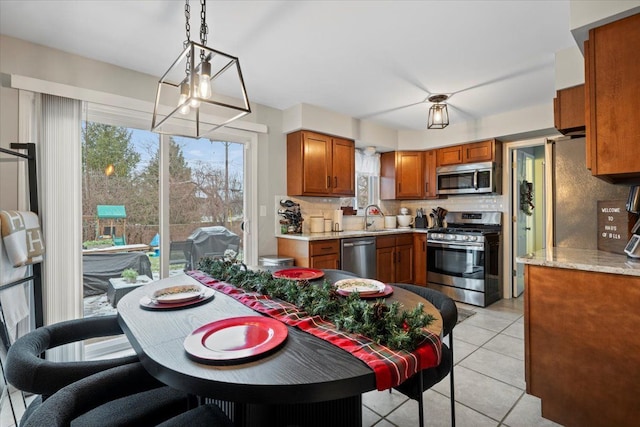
130 275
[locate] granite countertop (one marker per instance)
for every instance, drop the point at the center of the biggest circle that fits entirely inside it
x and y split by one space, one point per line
350 234
584 259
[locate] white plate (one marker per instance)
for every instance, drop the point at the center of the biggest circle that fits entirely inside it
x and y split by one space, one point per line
362 286
176 294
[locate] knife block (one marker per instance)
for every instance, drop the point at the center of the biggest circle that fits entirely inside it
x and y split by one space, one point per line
421 222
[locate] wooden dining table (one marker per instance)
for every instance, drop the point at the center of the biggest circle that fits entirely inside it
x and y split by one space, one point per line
307 381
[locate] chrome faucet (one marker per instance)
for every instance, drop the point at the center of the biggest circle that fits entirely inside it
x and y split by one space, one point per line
366 215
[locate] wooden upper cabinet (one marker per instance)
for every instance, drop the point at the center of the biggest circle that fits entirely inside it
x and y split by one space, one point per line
450 155
431 180
402 175
569 110
408 175
483 151
473 152
344 167
612 94
320 165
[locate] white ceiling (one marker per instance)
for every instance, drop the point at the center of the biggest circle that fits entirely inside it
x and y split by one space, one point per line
375 60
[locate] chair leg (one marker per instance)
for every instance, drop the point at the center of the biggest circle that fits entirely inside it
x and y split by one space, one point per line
453 399
420 402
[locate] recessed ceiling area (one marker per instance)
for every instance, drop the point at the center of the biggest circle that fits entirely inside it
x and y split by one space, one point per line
374 60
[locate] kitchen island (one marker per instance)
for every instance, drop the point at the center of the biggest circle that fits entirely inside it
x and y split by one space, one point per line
582 352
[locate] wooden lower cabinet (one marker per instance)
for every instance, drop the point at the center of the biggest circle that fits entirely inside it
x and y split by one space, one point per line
420 259
582 351
315 254
400 258
394 258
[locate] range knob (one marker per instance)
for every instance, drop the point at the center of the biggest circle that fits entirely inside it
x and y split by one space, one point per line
463 237
450 236
473 238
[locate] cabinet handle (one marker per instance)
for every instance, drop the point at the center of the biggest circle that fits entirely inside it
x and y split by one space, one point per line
335 182
326 248
399 187
328 181
426 187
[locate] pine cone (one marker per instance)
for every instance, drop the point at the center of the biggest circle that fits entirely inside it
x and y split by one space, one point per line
379 310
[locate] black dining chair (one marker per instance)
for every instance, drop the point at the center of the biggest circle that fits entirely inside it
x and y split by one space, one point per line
28 371
104 399
416 385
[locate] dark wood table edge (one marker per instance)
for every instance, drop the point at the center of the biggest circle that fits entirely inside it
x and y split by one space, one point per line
259 394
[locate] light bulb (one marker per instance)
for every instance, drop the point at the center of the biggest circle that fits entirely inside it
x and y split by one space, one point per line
184 94
205 80
437 116
196 92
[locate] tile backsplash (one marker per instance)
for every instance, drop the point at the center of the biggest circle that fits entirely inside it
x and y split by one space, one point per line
324 206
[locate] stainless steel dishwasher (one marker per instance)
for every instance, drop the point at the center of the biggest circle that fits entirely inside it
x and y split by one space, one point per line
358 255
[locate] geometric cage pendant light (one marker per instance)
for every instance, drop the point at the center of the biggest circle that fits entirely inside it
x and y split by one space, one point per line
438 112
202 90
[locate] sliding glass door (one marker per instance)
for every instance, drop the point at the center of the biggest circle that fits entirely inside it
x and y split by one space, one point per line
133 202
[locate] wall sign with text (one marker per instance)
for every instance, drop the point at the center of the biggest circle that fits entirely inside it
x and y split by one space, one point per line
614 225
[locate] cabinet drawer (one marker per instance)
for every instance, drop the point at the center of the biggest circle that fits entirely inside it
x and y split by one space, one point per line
404 239
385 242
324 247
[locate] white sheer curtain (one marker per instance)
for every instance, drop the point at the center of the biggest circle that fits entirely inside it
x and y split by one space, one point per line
367 163
60 160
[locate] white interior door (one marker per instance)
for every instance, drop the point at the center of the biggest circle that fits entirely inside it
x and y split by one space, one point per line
524 230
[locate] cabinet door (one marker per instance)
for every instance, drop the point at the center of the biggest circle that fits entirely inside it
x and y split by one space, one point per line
420 259
568 110
430 178
590 148
613 128
409 175
343 167
316 164
478 152
325 261
404 264
450 155
385 264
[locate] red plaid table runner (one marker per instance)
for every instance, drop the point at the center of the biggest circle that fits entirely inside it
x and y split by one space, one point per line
391 367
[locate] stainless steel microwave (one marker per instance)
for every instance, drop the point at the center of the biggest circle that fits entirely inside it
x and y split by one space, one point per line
470 178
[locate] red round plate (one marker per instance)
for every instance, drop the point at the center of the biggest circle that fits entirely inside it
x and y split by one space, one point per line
148 303
388 290
298 274
235 340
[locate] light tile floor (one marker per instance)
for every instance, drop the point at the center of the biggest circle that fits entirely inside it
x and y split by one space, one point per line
489 379
488 350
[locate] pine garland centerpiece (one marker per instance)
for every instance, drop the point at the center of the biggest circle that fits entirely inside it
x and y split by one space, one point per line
385 324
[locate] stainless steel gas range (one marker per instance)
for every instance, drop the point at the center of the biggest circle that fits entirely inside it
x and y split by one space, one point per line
464 260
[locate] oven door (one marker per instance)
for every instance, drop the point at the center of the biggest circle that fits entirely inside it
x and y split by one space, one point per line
459 264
